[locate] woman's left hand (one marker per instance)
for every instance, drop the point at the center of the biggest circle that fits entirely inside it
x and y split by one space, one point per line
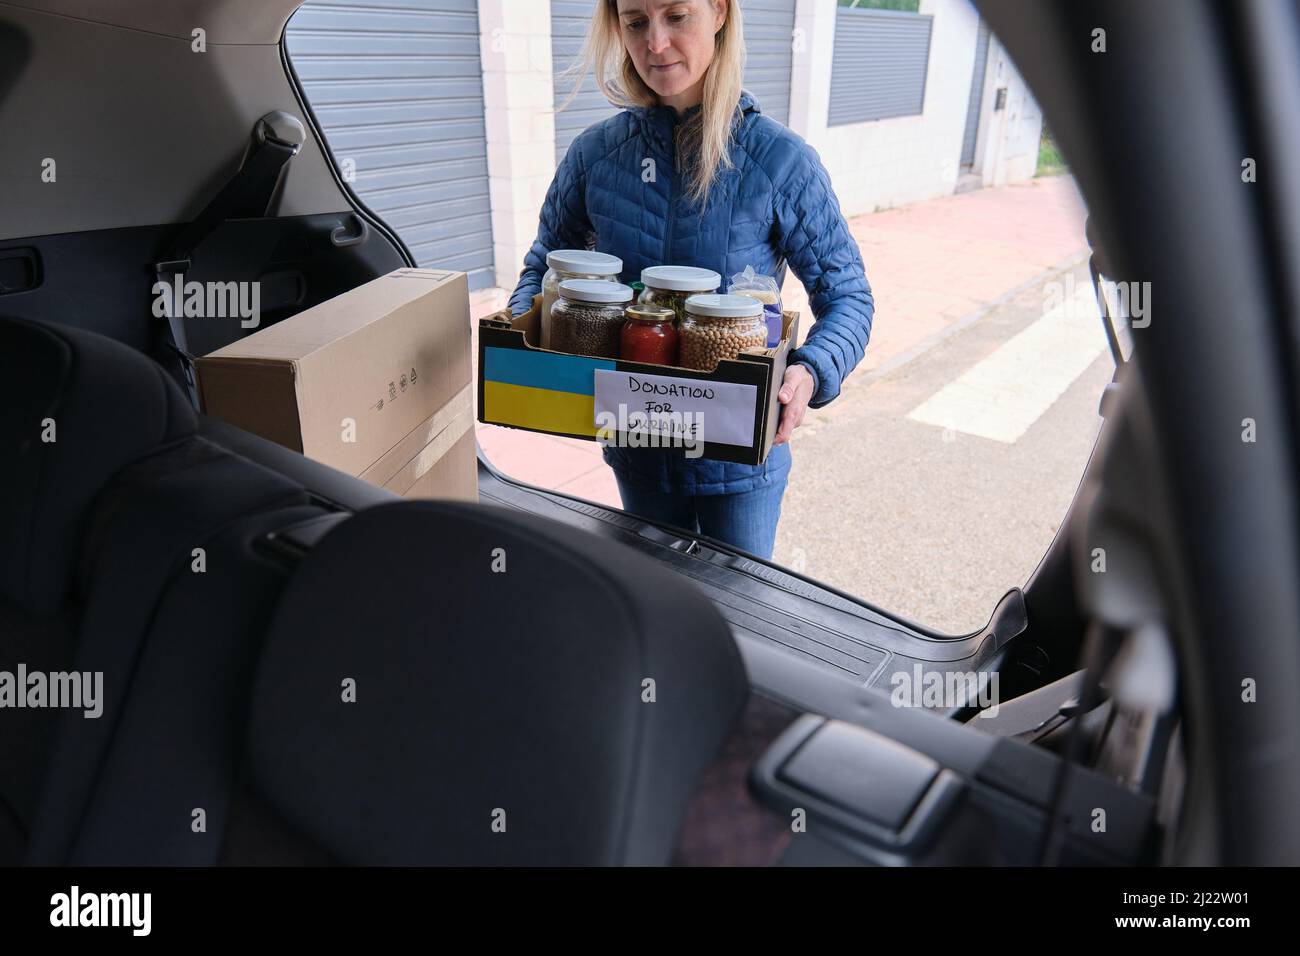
796 392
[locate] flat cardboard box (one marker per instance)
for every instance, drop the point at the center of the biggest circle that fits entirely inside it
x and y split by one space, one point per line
438 472
445 425
350 380
441 448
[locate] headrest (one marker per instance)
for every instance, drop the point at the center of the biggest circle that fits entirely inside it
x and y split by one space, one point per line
454 684
74 408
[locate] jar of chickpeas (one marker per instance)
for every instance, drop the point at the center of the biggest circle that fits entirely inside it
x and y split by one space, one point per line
718 327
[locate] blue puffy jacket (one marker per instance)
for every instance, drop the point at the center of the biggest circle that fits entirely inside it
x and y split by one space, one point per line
775 206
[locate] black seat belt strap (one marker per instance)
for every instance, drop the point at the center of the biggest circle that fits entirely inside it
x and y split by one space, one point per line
247 195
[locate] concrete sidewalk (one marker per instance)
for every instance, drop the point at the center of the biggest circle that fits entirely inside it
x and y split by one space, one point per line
930 264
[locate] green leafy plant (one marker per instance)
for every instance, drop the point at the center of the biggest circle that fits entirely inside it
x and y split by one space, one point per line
904 6
1050 161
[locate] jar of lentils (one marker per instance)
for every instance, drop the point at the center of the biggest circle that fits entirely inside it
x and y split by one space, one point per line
587 318
718 327
671 286
564 264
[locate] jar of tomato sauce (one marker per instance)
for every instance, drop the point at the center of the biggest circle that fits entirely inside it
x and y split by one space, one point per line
649 335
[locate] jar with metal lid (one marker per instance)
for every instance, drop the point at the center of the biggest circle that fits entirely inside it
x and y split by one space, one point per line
671 286
587 318
562 264
718 327
649 335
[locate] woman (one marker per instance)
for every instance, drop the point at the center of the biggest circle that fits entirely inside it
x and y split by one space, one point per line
692 173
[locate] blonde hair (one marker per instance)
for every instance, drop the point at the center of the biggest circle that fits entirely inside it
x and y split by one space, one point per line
701 148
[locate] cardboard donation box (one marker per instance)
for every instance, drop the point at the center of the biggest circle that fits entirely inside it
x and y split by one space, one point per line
728 414
375 382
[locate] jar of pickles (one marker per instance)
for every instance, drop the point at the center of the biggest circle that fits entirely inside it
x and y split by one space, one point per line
562 264
587 317
718 327
670 286
649 335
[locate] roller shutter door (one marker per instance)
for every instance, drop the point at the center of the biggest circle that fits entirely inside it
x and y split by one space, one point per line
569 22
769 38
976 95
879 66
398 89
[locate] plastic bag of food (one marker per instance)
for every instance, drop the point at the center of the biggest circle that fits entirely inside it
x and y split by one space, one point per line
765 290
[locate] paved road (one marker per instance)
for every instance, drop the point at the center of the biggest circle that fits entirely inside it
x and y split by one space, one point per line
900 496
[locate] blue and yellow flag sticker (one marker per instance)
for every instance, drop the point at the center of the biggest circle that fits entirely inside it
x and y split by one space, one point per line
541 390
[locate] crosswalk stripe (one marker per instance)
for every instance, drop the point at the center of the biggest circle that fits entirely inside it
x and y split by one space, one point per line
1000 397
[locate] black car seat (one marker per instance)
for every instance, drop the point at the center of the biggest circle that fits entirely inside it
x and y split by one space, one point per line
61 441
524 693
579 691
99 524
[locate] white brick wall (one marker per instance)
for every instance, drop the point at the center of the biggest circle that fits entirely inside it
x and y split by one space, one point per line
515 50
810 70
886 163
1006 150
889 162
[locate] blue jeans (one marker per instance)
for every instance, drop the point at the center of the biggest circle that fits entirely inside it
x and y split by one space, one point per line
746 520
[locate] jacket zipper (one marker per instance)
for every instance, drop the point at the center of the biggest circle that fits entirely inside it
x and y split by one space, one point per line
670 462
672 201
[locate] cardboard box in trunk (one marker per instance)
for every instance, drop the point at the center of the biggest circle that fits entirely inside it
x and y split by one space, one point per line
438 459
441 472
728 414
371 382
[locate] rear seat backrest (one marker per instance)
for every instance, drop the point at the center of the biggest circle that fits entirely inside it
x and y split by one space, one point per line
75 408
123 496
109 407
175 646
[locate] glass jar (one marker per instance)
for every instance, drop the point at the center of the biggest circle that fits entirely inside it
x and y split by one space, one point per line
718 327
771 312
564 264
649 335
587 318
671 286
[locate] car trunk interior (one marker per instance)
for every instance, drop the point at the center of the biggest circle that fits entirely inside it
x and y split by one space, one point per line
818 729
